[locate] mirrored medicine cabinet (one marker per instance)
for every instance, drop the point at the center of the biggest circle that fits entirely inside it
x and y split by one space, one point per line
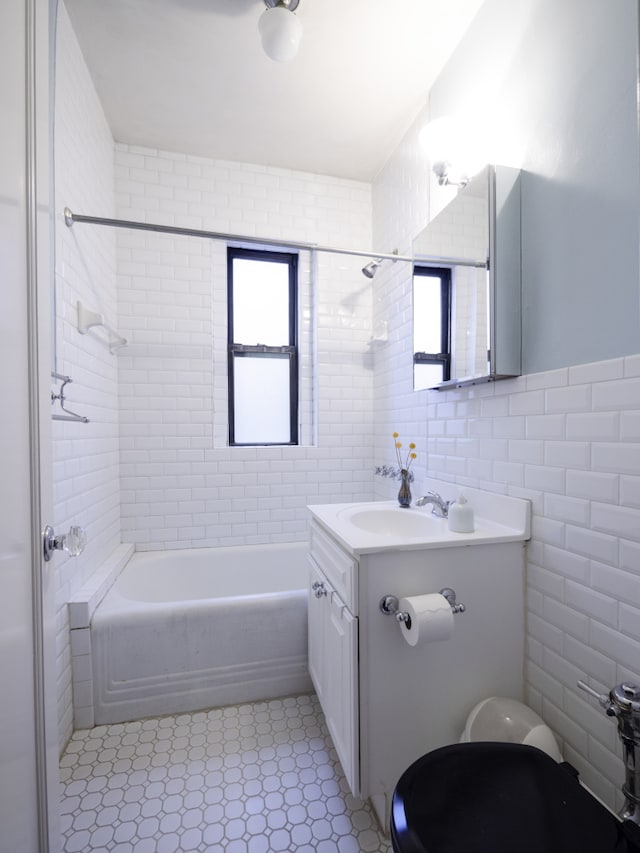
467 286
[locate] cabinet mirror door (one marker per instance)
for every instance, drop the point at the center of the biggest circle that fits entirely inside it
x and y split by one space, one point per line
466 286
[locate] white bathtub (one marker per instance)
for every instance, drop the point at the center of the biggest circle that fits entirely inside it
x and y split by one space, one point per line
184 630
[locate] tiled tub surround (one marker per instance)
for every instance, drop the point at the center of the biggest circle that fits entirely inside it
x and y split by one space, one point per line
252 778
209 626
181 484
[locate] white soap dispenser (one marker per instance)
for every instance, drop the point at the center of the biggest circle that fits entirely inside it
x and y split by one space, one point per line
461 516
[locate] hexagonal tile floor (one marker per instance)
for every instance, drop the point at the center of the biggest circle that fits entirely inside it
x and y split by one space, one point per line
251 778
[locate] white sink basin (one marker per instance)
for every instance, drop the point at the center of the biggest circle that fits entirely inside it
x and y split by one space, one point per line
366 528
393 520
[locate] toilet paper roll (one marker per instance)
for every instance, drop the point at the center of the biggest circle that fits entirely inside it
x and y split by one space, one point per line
430 619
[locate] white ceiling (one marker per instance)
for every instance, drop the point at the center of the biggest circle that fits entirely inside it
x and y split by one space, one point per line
190 76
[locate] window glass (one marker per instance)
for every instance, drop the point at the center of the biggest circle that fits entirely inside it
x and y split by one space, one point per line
262 351
262 404
431 326
260 302
427 313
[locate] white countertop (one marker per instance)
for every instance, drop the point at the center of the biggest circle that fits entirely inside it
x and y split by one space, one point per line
371 527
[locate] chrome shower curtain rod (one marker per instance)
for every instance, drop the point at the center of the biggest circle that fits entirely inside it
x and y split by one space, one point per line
70 218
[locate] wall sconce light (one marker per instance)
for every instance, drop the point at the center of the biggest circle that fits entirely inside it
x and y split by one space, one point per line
445 141
280 30
446 175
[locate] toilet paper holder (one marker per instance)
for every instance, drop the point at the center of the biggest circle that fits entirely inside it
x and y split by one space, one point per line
390 605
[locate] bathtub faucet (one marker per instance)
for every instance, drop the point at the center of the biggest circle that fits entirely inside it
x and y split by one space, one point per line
440 505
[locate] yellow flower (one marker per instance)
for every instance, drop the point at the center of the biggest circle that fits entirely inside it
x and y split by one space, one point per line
410 456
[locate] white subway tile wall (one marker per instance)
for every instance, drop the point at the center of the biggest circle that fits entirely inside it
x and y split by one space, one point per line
85 456
569 441
182 485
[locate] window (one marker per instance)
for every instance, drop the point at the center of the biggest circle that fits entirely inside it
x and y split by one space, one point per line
262 347
431 326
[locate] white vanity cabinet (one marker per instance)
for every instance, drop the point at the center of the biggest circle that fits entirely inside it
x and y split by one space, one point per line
333 648
386 702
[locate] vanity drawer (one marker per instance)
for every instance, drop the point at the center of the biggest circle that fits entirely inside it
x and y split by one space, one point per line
336 564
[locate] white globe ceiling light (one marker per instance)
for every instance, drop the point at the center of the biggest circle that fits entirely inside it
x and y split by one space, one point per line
280 30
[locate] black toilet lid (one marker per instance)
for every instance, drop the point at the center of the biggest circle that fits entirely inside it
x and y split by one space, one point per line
499 798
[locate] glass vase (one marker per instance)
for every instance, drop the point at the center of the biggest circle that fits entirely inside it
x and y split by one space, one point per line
404 494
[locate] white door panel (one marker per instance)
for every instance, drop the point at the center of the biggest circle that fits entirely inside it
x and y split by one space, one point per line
28 759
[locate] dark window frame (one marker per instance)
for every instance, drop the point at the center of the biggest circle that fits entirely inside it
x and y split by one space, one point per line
290 350
444 356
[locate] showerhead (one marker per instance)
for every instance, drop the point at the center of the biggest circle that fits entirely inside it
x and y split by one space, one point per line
370 269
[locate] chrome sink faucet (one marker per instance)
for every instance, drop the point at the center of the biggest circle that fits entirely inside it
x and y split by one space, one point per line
440 505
